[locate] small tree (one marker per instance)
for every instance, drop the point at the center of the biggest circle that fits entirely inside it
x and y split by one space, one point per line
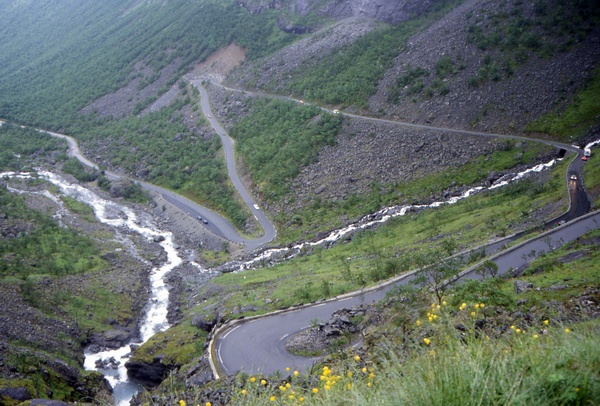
487 268
437 272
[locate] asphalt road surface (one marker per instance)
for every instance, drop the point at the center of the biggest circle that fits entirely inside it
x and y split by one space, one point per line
257 346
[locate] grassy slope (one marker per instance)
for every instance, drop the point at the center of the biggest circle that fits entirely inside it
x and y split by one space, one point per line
547 357
59 271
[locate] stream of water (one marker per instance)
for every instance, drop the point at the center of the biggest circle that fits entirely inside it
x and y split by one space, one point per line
155 320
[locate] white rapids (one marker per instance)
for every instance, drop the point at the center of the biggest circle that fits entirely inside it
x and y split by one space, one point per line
155 320
384 215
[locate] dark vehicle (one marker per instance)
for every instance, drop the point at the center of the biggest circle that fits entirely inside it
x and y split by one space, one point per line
205 221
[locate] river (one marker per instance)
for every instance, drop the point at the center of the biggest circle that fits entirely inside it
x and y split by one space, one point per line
155 320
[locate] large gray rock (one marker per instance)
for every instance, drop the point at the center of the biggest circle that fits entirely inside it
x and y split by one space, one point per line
148 374
20 394
522 286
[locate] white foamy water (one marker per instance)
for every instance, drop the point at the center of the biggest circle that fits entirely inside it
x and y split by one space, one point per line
155 320
386 214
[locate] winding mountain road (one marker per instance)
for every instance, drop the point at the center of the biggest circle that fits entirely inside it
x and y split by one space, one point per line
257 345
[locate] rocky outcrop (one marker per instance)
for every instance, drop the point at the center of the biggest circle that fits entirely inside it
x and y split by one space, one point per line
148 374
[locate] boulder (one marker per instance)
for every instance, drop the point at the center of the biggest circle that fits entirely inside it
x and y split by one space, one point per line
522 286
20 394
148 374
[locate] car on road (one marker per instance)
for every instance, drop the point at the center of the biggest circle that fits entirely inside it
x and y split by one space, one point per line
256 206
336 111
205 221
573 177
209 116
560 223
584 158
199 218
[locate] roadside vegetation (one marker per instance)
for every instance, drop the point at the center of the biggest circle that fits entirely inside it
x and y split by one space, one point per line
574 121
483 344
320 214
278 139
161 149
392 248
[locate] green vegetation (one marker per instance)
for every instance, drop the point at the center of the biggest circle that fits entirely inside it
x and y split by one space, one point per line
179 345
161 149
319 215
280 138
45 248
575 120
19 145
82 173
350 76
542 28
68 65
472 348
75 206
398 245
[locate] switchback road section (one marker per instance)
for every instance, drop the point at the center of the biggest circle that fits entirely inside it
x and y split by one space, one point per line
257 345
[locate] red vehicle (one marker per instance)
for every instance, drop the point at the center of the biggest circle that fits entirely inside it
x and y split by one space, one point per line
584 158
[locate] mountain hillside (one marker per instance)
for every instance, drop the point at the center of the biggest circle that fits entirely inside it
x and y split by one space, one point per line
338 108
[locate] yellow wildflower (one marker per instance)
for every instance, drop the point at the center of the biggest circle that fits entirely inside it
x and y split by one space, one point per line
327 387
253 379
296 373
301 399
182 402
512 327
287 385
272 398
536 336
518 330
349 386
427 341
481 305
287 369
567 330
546 322
473 314
477 305
244 392
432 353
357 358
263 382
369 384
349 374
364 370
208 404
418 322
315 390
444 303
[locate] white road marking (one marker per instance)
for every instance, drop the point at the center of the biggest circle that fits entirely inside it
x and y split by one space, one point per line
230 331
